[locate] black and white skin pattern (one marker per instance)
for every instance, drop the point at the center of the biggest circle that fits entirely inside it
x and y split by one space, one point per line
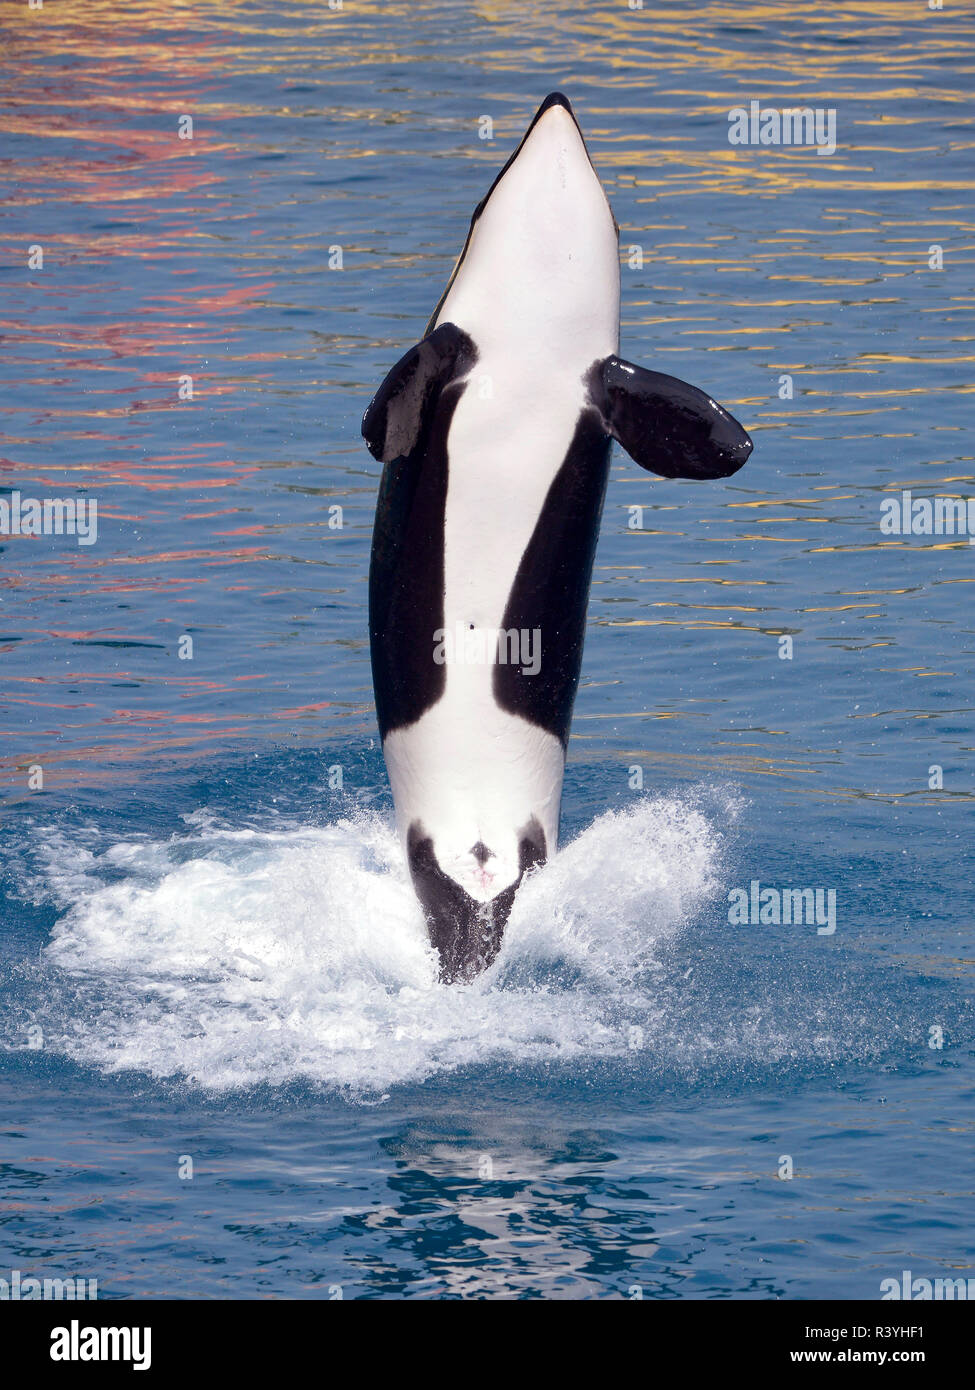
495 434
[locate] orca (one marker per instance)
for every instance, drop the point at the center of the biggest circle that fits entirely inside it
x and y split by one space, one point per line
495 432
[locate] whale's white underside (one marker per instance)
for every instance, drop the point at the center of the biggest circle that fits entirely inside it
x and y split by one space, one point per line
537 292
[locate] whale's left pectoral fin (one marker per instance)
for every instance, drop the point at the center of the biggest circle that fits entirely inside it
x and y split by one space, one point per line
666 425
400 411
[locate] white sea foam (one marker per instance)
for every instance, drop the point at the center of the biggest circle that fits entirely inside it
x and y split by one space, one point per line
232 957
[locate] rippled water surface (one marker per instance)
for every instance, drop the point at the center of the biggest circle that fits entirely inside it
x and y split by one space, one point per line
215 945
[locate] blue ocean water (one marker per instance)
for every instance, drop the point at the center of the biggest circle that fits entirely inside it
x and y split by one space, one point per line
209 947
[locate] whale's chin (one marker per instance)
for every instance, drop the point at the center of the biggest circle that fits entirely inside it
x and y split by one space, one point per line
466 931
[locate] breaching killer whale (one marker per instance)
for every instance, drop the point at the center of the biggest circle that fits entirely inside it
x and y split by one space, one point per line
495 431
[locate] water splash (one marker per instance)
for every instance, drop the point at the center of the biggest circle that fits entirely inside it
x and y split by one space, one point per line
230 957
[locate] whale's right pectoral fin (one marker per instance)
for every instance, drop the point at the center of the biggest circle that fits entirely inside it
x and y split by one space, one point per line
400 411
666 425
